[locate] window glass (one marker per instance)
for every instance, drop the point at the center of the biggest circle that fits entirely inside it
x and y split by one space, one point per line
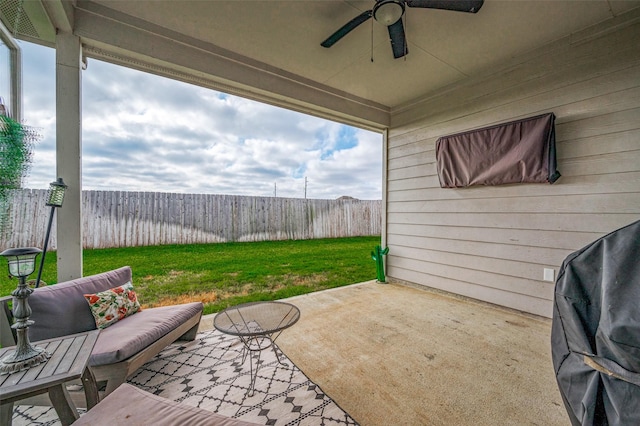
5 76
10 89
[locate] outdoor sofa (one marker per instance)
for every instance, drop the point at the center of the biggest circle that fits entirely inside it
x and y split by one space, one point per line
122 347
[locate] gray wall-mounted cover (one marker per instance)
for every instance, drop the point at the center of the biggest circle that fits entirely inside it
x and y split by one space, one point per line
595 337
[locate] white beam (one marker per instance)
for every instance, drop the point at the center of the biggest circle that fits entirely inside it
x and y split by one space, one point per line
60 14
69 153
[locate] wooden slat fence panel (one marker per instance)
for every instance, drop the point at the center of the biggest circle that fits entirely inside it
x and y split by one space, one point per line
127 219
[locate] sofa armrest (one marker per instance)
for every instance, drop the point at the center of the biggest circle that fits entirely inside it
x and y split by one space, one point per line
7 334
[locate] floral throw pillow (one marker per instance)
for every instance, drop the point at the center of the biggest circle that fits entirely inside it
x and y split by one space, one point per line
112 305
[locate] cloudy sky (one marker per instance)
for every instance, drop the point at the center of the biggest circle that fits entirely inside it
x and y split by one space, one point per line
146 133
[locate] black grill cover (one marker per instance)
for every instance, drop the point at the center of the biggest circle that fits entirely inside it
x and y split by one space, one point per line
595 336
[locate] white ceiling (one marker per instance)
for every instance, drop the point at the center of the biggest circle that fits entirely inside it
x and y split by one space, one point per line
284 37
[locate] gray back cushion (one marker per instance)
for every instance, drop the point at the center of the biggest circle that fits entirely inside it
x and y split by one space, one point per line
61 309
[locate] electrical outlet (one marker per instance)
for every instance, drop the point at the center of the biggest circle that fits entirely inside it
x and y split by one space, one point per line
548 275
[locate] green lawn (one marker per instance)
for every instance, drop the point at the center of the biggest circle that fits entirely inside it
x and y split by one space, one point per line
227 274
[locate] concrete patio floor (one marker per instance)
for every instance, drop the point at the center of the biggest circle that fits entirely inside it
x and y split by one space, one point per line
391 354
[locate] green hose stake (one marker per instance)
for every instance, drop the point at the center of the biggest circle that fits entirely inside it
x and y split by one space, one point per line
377 256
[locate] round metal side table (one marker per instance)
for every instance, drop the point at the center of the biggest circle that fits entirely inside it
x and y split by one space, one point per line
258 325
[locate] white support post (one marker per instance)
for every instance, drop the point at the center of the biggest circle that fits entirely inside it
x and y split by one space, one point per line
385 187
69 153
385 194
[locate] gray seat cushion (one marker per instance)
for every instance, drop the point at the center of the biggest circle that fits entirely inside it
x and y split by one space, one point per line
130 406
129 336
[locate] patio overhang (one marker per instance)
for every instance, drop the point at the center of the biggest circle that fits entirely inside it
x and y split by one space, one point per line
114 37
270 51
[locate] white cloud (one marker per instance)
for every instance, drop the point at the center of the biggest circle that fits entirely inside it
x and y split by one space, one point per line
146 133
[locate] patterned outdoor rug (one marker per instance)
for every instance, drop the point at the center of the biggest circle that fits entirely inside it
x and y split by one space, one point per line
208 373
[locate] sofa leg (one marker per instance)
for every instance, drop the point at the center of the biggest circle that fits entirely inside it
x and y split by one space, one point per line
114 381
6 413
191 334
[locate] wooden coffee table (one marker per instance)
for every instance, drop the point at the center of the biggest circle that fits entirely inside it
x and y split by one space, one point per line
258 325
69 361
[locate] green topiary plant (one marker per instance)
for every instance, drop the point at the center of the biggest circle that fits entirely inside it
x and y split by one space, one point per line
16 143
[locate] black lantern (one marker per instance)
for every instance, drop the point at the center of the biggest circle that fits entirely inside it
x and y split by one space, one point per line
22 263
55 197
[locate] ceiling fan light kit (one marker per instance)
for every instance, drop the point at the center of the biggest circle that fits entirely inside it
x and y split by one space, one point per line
390 13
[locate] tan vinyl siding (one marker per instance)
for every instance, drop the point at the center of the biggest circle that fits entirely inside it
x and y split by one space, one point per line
492 243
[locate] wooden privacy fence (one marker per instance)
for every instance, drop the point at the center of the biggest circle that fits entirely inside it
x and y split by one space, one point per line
126 219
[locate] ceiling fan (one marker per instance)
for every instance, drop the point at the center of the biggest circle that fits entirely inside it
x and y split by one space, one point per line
389 13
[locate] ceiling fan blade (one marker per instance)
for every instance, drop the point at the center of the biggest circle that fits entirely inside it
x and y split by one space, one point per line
347 28
398 40
471 6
